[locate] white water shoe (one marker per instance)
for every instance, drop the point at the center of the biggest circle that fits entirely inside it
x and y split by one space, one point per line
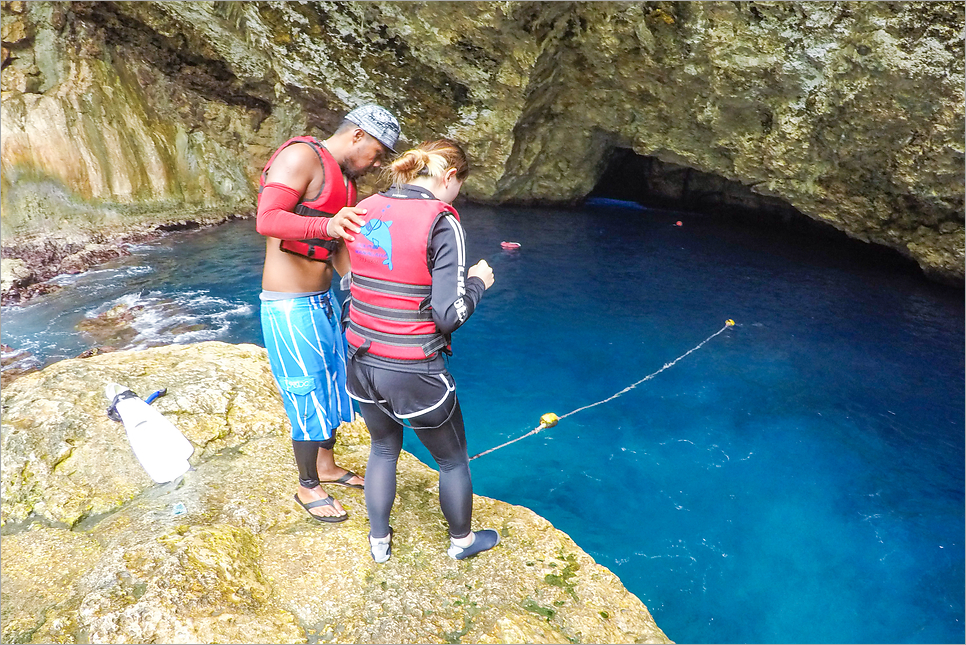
380 548
482 541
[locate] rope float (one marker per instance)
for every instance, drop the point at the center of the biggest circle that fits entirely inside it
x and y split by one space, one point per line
550 419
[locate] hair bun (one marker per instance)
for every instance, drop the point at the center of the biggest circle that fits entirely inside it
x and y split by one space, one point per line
431 158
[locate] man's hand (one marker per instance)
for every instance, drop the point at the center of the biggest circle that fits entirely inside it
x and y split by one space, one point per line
346 222
482 271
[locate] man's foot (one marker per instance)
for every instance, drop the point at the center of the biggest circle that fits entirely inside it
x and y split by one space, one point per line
329 472
320 505
349 479
474 543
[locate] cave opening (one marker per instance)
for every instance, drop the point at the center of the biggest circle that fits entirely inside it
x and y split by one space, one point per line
652 183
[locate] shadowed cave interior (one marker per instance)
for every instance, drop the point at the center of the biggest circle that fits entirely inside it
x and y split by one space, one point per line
653 183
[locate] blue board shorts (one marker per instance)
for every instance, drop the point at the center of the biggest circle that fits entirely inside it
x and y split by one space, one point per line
307 354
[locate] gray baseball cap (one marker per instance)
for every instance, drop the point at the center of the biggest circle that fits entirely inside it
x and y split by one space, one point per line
377 122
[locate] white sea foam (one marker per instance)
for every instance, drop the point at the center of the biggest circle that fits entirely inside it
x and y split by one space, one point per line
187 317
104 275
144 248
19 358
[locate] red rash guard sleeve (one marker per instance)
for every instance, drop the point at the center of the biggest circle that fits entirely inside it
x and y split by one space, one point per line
275 218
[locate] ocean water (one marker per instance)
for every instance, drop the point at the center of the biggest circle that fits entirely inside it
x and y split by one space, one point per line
799 478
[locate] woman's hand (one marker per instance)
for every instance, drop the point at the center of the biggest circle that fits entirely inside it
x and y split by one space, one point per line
482 271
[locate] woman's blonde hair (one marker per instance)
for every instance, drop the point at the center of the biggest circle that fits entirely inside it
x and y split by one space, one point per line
430 158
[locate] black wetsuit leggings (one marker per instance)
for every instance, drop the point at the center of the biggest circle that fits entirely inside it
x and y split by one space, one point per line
441 431
306 458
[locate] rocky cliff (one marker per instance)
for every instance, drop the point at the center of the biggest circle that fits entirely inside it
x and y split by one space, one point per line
119 116
93 551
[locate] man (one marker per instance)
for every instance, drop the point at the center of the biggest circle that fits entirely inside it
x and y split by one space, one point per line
305 207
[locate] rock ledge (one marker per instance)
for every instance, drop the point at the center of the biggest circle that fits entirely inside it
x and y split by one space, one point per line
224 555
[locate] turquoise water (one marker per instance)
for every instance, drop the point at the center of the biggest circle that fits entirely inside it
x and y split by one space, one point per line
797 479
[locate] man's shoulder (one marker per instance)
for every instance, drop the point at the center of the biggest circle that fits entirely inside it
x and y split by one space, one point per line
296 165
301 147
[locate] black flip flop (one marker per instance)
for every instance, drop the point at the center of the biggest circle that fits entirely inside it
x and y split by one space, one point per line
328 501
344 481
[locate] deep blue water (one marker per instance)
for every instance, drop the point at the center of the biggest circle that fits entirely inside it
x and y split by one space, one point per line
798 479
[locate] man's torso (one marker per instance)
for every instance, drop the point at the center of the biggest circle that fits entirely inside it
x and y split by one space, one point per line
289 272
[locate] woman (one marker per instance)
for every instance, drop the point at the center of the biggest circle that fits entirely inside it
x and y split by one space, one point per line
408 295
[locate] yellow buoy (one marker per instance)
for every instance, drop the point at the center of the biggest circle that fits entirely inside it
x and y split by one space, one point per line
729 323
549 420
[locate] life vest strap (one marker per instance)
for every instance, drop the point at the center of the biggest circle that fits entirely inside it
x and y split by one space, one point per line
360 351
392 288
396 340
389 313
438 343
306 211
315 249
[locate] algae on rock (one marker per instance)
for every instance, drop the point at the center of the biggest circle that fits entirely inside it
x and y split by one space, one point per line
225 555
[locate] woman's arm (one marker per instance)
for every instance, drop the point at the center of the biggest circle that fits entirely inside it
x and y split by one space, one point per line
455 296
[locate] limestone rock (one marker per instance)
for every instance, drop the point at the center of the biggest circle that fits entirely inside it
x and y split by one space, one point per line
63 459
91 255
112 326
12 272
224 554
117 326
118 115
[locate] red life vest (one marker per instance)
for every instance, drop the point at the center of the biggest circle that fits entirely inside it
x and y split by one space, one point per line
337 192
389 311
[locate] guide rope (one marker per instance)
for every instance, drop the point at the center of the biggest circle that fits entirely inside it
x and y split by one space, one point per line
550 419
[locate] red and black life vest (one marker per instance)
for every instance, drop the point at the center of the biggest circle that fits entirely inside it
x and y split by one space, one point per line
389 313
337 192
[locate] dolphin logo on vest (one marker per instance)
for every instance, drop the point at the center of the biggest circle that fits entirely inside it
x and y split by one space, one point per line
377 232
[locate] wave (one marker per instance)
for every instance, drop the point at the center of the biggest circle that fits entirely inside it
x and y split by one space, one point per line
157 318
18 358
105 275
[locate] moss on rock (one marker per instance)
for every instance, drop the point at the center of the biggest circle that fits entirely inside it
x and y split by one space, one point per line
225 555
117 114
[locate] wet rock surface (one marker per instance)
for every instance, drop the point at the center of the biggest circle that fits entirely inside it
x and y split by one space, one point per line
14 363
28 265
225 555
114 325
